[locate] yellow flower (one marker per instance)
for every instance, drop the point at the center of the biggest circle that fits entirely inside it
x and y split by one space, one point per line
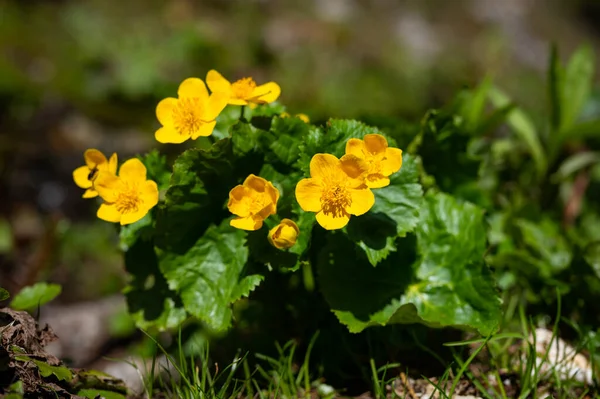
252 202
244 91
127 197
382 160
303 117
284 235
191 115
335 190
95 161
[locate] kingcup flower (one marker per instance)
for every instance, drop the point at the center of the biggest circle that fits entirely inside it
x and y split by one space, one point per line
127 197
284 235
95 161
303 117
244 91
191 115
382 160
253 201
335 190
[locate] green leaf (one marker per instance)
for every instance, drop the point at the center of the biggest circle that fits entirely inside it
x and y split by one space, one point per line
60 372
36 295
4 294
142 229
580 131
523 127
395 213
197 195
209 275
448 285
579 75
473 109
157 168
94 393
548 248
575 163
591 255
555 87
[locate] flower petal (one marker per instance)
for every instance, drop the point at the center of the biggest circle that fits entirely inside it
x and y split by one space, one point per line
129 218
308 195
217 83
377 181
109 213
375 143
215 105
192 87
266 93
164 111
362 201
108 186
272 191
149 194
133 170
356 147
247 223
80 176
354 167
237 205
237 101
93 158
329 222
267 211
392 161
256 183
170 135
204 130
112 163
90 193
324 165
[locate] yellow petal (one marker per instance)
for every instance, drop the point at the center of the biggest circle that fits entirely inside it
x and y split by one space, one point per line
324 165
375 143
255 183
169 135
192 87
266 93
237 101
129 218
267 211
284 115
303 117
80 176
108 186
329 222
164 111
94 158
112 164
272 192
133 170
247 223
109 213
217 83
308 195
284 235
204 130
377 181
90 193
392 161
236 204
354 167
149 194
356 147
362 201
216 104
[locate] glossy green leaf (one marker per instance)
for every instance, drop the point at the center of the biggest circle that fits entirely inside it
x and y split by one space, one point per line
439 281
578 78
209 276
157 168
35 295
60 372
395 213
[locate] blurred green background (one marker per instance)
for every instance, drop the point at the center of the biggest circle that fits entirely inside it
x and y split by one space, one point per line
78 74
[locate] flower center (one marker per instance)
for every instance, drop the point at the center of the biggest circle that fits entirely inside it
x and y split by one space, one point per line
187 116
335 199
128 200
243 88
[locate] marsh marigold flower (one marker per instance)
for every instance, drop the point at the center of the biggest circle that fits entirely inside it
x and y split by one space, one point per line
253 201
244 91
191 115
382 160
303 117
284 235
335 190
127 197
95 161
